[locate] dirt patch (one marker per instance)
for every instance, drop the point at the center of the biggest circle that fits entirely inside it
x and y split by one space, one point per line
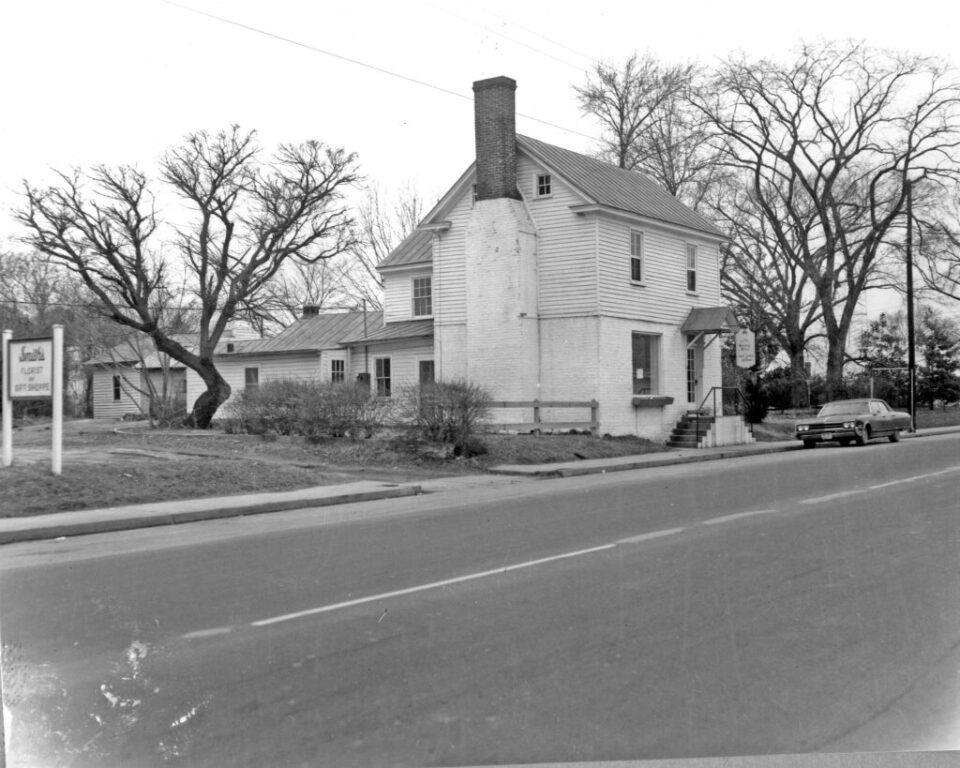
109 463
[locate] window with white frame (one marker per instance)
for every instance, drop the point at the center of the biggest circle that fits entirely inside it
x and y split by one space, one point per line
422 297
116 388
636 256
544 185
382 376
251 378
338 371
646 363
691 268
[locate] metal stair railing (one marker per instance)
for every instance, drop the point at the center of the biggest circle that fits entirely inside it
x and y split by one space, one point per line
738 399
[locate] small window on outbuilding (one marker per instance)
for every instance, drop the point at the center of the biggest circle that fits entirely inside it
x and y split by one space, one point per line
251 378
544 185
338 371
116 388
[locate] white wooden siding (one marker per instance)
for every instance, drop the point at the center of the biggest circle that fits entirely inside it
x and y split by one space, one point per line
131 402
566 246
449 265
398 294
663 296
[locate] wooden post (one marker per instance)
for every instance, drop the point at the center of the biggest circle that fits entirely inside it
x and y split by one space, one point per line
594 418
536 415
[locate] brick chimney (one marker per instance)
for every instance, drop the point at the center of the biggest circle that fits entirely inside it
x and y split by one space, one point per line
495 126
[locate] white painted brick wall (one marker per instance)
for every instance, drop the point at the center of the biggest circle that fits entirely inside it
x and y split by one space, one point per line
500 271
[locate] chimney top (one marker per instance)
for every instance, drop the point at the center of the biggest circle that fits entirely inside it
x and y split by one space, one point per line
494 107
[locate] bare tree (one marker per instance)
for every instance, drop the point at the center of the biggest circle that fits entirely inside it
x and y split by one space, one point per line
385 221
626 102
247 218
937 243
826 146
768 288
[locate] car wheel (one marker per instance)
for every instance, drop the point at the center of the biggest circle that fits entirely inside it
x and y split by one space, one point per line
864 438
895 436
809 443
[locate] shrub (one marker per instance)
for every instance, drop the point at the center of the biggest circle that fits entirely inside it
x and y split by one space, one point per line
310 409
758 403
447 412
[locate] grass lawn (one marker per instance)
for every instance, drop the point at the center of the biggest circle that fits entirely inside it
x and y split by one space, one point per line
108 464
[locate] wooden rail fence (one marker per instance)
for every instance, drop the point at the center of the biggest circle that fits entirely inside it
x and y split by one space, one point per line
539 424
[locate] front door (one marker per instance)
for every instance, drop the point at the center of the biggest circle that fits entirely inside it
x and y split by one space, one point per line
694 369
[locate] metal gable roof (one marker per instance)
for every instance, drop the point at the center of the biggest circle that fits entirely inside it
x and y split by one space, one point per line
415 249
404 329
614 187
314 332
707 319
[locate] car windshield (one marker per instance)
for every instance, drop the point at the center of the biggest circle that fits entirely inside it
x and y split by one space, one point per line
845 408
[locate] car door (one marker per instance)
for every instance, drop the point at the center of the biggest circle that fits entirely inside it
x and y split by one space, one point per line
879 418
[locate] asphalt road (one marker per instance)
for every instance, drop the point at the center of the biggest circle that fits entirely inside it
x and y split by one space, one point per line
800 602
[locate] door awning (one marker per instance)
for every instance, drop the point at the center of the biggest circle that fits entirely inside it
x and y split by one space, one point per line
710 320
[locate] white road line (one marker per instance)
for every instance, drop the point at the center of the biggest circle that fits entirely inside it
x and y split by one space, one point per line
737 516
207 633
648 536
832 496
422 587
915 478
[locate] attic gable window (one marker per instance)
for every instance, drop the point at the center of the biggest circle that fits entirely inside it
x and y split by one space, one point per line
422 297
636 257
544 185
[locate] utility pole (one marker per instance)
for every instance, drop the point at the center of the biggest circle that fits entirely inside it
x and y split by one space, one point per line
911 345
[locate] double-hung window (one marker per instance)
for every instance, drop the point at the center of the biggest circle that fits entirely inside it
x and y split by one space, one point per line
251 379
636 257
338 371
382 376
544 185
691 268
116 388
646 364
422 297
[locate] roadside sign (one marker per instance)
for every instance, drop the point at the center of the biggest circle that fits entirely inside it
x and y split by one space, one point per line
30 369
746 345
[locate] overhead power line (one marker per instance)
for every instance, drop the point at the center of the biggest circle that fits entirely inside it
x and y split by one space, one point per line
359 63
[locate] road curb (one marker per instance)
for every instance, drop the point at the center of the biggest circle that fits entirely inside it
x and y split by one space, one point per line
154 519
646 463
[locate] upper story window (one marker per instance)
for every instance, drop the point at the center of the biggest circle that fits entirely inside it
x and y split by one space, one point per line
544 185
636 256
691 268
338 371
422 296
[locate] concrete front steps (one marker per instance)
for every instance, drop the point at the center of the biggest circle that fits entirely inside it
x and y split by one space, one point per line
710 432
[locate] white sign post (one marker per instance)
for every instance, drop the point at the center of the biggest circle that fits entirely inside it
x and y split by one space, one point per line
34 371
7 404
746 344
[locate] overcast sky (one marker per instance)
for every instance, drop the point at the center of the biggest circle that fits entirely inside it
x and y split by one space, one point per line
117 81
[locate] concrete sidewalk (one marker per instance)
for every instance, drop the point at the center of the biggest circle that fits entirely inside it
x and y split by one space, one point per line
190 510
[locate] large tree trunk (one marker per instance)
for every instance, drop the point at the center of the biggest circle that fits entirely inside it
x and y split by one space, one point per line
210 400
836 354
798 379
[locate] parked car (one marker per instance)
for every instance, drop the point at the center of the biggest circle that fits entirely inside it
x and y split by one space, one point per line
845 421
